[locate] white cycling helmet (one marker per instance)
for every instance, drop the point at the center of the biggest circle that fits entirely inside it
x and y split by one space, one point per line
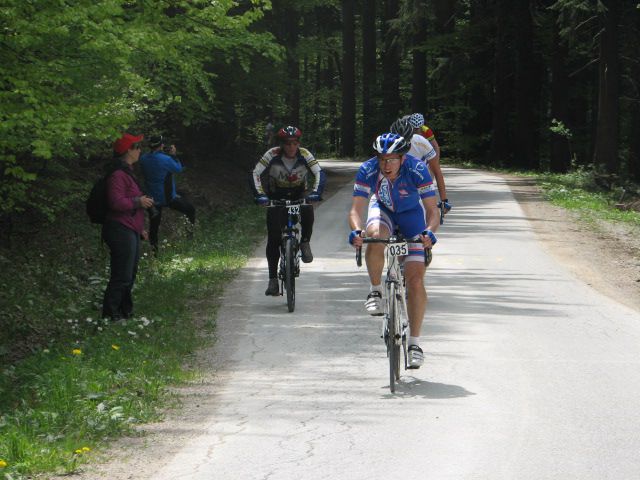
416 120
391 143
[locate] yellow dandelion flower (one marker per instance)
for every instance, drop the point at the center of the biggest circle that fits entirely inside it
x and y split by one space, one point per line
78 452
86 449
3 464
76 351
115 347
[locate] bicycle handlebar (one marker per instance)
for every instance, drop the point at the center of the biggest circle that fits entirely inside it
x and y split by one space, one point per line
285 203
387 241
392 239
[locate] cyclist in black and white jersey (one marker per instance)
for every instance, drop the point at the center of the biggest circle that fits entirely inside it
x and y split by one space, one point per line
292 173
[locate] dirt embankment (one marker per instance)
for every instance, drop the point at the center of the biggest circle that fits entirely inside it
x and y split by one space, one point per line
605 255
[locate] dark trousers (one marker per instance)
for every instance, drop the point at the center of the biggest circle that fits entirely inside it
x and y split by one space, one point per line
276 219
181 205
124 245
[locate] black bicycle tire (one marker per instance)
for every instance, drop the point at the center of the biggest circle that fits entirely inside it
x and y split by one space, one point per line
290 274
392 349
398 329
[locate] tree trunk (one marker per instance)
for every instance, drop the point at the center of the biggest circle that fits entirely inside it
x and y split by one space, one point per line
368 73
633 166
499 152
291 31
606 150
390 64
348 118
560 153
480 95
527 92
419 85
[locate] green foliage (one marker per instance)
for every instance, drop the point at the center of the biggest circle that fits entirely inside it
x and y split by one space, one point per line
561 129
93 381
579 191
75 74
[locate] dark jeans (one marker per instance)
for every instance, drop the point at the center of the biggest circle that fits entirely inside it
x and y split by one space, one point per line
276 219
124 245
181 205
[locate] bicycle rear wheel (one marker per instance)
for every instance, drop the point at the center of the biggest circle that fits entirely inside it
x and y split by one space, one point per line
290 273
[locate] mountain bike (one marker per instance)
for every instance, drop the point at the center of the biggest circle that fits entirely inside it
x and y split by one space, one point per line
394 319
289 266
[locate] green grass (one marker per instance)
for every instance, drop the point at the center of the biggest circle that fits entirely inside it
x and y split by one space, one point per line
576 191
94 381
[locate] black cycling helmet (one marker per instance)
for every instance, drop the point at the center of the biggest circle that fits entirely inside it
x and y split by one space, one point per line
286 133
391 143
403 128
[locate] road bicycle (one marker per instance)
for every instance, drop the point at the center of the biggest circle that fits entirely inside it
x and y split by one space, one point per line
289 266
394 319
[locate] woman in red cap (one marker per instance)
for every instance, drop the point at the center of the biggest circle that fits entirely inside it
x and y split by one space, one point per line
123 227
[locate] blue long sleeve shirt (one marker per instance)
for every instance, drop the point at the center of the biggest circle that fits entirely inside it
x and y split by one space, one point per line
158 169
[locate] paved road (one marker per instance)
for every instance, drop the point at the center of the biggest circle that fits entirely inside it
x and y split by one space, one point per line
529 373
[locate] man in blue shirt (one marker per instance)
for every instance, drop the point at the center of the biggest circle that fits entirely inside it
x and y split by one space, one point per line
402 196
158 167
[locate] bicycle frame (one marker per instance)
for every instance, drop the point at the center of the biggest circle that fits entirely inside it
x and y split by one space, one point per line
289 266
395 317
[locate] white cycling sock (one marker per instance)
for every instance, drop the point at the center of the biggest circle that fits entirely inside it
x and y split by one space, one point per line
376 288
414 341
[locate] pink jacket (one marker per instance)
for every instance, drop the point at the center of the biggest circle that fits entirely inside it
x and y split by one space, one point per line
124 201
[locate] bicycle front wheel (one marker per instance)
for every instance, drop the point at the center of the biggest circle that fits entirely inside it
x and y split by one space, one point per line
290 273
393 348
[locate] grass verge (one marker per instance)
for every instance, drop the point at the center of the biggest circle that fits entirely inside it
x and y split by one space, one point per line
96 381
577 191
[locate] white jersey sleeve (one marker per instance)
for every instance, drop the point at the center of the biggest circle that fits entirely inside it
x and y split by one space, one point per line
421 148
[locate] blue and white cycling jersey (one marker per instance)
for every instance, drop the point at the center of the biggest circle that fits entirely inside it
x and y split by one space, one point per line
404 193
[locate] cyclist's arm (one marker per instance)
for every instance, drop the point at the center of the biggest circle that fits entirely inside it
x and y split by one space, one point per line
314 166
432 214
435 145
260 167
434 165
358 208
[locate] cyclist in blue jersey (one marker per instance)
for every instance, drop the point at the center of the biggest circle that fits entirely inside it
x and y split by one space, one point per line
402 196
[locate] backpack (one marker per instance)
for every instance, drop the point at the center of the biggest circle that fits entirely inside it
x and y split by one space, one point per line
96 203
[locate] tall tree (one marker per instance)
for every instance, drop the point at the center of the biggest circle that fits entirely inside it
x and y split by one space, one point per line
500 145
606 147
348 118
419 83
390 64
291 20
369 58
559 152
526 88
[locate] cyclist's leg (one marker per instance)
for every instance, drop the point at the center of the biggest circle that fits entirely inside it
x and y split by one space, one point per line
274 229
379 225
411 224
306 224
307 218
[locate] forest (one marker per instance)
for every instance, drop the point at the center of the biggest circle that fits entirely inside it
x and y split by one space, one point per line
532 84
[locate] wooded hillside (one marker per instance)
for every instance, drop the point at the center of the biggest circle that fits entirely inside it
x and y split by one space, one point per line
538 84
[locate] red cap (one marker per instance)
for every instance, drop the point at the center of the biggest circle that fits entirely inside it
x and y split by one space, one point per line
124 143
